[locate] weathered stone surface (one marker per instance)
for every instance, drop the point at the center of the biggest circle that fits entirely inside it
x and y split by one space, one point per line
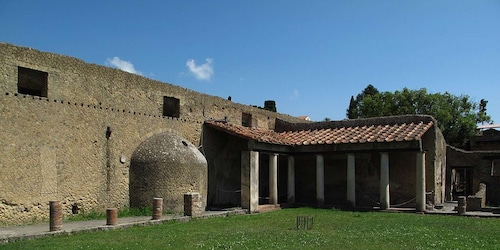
166 166
59 147
250 181
462 205
194 204
482 194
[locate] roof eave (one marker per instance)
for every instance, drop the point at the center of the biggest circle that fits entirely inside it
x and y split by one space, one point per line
414 145
395 146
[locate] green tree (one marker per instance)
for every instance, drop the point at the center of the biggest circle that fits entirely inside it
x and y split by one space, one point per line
354 111
481 115
457 116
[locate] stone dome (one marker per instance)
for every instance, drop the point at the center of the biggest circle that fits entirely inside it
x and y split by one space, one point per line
166 166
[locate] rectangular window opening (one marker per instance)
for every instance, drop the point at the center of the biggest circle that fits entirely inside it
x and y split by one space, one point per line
171 107
246 119
495 168
32 82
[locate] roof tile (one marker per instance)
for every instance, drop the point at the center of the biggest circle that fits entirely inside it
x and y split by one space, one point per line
331 135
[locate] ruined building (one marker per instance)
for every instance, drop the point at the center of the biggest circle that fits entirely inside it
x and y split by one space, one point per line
78 132
379 162
470 171
96 137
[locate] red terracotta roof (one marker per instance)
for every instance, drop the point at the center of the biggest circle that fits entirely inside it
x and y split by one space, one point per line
403 131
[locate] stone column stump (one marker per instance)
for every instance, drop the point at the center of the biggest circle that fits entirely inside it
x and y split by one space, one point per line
157 208
462 205
111 216
55 215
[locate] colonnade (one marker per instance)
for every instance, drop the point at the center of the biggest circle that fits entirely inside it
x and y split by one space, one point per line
250 182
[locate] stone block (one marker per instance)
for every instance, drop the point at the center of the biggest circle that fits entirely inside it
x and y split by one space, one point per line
496 210
474 203
193 204
482 194
462 205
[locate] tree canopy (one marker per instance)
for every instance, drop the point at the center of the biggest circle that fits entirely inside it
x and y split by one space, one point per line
457 116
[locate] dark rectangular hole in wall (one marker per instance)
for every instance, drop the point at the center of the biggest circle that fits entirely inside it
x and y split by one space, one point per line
495 167
246 120
171 107
32 82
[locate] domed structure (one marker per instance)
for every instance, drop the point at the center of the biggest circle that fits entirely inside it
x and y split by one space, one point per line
166 166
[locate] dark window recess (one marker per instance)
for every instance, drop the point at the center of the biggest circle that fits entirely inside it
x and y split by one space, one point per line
171 107
32 82
246 120
495 167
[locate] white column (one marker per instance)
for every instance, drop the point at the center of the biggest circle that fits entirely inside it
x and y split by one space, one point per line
420 182
250 181
273 179
384 181
291 180
351 180
320 180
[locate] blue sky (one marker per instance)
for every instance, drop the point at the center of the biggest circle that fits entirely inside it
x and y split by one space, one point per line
308 56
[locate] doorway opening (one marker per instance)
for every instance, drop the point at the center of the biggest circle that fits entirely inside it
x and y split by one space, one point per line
461 178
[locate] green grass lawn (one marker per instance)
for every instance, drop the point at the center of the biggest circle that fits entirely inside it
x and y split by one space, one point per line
332 229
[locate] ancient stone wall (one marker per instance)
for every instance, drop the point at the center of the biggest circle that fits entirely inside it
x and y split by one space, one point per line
487 140
481 164
434 146
483 174
74 144
224 167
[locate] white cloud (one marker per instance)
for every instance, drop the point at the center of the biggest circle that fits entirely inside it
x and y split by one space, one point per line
295 94
201 72
123 65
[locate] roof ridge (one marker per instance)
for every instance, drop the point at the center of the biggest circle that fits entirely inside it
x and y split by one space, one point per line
282 125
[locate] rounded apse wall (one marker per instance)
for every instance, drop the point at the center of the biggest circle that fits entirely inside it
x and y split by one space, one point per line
166 166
